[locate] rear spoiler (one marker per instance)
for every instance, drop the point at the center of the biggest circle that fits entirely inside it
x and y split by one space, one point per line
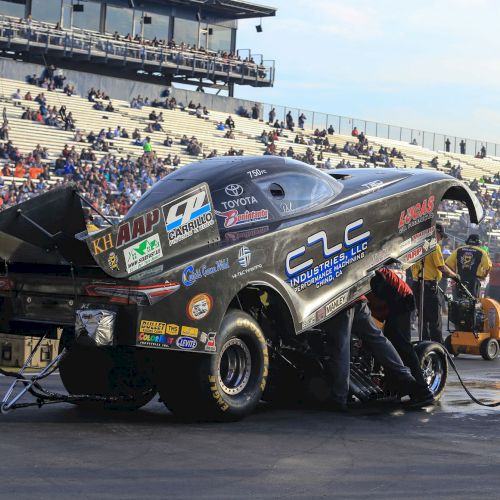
42 230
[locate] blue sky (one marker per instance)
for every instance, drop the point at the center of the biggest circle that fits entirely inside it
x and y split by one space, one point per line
431 65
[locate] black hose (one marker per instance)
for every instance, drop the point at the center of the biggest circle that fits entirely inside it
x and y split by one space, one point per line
489 405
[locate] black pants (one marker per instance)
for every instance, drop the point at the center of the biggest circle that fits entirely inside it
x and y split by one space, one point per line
357 318
433 303
398 330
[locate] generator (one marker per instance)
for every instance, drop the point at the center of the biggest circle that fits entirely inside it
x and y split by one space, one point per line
476 327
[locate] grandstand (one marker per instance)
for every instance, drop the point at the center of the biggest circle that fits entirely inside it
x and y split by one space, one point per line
115 170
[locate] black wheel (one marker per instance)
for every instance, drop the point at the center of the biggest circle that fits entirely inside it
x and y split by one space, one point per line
87 370
225 386
489 349
434 364
449 346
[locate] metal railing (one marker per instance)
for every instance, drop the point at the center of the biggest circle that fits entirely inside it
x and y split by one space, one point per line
72 43
344 125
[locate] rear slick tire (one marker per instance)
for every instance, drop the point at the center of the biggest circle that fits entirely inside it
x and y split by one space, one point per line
100 371
434 364
225 386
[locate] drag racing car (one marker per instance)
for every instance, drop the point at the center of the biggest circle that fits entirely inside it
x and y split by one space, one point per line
216 282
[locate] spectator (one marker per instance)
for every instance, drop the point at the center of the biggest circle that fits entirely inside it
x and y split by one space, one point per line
447 144
147 146
272 115
302 120
355 132
331 130
462 147
230 122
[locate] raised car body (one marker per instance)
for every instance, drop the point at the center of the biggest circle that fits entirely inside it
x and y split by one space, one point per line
240 260
199 237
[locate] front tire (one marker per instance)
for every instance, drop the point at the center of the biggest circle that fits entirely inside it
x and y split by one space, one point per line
434 364
225 386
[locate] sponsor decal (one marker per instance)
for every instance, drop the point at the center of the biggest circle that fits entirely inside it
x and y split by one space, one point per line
137 228
142 253
286 207
373 185
171 329
101 244
189 331
234 218
239 202
335 304
416 253
412 255
113 261
305 273
210 345
152 327
256 172
186 343
152 339
416 214
246 233
233 190
203 337
309 321
189 214
244 256
199 306
417 238
192 274
244 259
320 314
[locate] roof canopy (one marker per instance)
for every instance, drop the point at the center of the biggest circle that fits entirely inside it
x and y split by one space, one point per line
234 9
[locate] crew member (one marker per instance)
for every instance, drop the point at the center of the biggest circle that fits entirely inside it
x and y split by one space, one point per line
434 268
494 284
357 318
472 264
392 301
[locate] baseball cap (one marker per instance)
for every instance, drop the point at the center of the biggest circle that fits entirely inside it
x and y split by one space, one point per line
440 230
473 239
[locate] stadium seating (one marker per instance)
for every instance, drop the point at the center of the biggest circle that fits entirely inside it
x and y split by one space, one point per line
26 135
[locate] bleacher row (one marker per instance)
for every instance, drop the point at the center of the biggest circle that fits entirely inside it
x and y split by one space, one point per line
26 135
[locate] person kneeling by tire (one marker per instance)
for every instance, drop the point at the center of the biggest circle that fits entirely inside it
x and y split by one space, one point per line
391 301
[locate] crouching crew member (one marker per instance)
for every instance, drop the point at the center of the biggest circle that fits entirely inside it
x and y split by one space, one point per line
434 268
472 264
392 301
357 318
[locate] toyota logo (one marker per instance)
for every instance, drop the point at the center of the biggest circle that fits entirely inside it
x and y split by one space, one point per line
233 190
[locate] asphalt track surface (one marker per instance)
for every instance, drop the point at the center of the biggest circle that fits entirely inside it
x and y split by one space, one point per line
451 450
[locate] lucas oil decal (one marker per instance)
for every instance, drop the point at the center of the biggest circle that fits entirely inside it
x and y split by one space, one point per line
416 214
304 273
189 214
